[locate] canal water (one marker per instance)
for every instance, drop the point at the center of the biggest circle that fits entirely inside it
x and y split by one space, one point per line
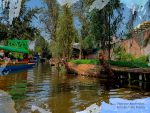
44 87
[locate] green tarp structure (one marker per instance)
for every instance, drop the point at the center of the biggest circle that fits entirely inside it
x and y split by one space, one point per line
18 43
13 49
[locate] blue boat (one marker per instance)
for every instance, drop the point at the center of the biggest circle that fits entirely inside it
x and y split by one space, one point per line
5 70
10 64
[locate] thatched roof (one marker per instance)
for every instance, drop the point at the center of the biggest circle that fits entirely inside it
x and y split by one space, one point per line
142 27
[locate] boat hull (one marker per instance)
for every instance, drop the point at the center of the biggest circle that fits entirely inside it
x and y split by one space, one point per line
13 68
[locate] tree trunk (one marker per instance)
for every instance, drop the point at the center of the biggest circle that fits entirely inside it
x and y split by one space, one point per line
80 54
105 65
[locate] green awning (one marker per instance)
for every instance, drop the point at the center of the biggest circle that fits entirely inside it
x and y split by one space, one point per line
13 49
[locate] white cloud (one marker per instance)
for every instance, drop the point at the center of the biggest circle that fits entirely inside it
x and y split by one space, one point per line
69 2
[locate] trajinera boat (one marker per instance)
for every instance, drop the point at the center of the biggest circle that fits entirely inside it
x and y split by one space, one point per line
15 56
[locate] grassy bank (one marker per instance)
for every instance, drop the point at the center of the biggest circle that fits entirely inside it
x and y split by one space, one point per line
130 64
86 61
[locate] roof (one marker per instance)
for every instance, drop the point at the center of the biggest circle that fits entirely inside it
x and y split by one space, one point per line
76 45
143 26
13 49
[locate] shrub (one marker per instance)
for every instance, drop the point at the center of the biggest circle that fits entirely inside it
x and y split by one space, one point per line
143 58
130 64
86 61
120 54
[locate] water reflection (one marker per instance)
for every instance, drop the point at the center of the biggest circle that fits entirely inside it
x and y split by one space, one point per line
45 87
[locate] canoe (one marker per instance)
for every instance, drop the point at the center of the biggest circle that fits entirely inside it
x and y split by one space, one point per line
4 70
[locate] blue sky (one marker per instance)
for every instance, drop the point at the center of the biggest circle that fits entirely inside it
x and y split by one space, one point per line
129 3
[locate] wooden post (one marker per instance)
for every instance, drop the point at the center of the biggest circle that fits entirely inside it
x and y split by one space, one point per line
145 77
129 83
121 76
140 77
129 76
140 83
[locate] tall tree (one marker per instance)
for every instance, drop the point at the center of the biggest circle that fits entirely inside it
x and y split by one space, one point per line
50 17
80 10
42 46
65 35
104 23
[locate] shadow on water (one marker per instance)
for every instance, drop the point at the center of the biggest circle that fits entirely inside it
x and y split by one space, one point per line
45 87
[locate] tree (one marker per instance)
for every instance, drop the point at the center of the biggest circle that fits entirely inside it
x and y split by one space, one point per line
3 31
88 42
65 35
80 10
130 24
21 27
42 46
104 23
50 17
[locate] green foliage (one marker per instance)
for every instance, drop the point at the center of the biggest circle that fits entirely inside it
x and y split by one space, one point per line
49 17
3 31
126 57
128 60
88 42
99 20
120 54
130 64
143 58
18 91
128 35
86 61
40 43
65 34
63 70
21 27
56 49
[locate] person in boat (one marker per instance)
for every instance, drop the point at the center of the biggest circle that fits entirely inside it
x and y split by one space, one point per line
25 57
11 56
6 55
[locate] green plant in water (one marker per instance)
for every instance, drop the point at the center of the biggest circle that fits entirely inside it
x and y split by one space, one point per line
63 70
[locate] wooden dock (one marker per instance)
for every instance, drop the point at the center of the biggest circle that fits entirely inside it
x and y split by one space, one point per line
141 74
131 70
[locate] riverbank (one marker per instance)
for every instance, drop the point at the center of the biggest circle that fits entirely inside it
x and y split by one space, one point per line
121 69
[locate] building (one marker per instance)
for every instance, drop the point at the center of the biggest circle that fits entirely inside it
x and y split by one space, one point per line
139 42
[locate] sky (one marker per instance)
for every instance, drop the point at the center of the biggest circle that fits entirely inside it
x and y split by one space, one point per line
129 3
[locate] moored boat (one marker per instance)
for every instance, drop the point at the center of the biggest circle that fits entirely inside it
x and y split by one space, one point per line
15 56
10 67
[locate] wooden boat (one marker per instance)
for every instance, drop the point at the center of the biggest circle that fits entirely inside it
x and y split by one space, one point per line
6 69
17 46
